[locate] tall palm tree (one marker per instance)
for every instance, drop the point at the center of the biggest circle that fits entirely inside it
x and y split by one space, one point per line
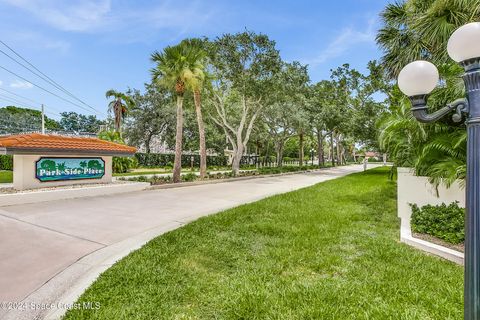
179 68
120 105
420 29
196 56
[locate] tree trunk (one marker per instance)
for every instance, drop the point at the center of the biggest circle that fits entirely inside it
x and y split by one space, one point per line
321 156
237 157
280 154
300 156
267 151
177 166
201 133
332 146
147 142
339 156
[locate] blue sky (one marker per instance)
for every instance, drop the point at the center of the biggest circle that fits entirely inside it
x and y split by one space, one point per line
91 46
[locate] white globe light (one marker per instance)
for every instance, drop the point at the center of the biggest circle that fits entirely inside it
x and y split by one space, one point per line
464 43
418 78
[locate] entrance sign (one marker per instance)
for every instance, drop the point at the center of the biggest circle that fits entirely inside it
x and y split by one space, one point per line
59 169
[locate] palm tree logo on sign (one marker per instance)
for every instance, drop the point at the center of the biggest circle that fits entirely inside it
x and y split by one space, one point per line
58 169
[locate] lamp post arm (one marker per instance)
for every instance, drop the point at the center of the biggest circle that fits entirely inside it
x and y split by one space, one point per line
419 109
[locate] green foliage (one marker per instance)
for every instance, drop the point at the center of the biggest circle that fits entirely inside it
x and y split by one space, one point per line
6 162
153 160
189 177
124 164
442 221
112 136
6 176
17 120
285 169
414 30
72 121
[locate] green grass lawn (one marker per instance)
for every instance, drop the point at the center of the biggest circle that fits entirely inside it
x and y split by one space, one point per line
330 251
6 176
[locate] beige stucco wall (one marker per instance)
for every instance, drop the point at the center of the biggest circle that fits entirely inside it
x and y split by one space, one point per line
24 172
413 189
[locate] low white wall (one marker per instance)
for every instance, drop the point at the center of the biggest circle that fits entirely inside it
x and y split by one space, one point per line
417 190
24 172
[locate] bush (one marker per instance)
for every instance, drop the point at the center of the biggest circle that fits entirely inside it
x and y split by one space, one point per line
189 177
6 162
155 160
123 164
444 222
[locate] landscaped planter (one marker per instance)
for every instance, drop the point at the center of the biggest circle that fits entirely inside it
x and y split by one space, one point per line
417 190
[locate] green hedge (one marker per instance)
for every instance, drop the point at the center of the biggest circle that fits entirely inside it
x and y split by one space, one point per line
444 222
6 162
153 160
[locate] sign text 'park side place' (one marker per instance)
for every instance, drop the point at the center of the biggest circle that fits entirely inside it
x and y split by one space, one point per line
57 169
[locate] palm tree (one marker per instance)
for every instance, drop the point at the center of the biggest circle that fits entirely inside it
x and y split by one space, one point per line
121 104
196 56
411 30
180 68
415 29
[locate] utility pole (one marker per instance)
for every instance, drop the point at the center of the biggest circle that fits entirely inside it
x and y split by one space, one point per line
43 119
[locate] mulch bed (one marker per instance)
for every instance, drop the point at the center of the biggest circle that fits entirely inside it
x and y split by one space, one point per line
422 236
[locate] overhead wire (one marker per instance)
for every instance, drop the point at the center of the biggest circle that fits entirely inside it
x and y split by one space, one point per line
33 101
42 88
45 77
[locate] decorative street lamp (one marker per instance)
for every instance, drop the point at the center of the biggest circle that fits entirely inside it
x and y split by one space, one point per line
417 80
311 155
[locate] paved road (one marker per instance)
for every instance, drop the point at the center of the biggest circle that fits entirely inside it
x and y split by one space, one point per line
46 249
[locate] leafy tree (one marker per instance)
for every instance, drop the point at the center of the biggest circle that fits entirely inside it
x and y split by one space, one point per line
16 120
285 115
244 66
153 116
72 121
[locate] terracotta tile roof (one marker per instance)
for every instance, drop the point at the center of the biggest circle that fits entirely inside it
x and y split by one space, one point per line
36 142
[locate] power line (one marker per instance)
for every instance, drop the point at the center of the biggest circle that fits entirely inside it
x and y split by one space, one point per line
46 90
43 76
33 101
22 104
20 96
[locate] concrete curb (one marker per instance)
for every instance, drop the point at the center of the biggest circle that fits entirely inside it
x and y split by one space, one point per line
69 193
438 250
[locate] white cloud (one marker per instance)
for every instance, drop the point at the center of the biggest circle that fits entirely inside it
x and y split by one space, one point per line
129 20
18 84
347 39
67 15
1 82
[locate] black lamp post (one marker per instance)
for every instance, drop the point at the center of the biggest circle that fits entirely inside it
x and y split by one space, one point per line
417 80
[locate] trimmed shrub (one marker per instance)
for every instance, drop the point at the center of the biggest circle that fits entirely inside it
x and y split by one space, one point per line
155 160
6 162
123 164
442 221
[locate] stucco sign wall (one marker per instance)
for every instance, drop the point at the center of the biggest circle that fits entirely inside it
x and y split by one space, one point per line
61 169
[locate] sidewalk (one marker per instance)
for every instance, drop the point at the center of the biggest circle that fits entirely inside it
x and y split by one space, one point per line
52 251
